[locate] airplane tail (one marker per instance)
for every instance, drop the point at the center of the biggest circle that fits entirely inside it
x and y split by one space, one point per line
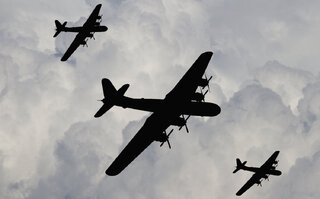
111 95
59 27
240 165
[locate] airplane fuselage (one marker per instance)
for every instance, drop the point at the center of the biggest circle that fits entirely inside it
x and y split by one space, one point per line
260 170
158 105
85 29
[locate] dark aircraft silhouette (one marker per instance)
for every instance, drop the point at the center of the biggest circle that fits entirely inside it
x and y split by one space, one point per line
181 100
91 26
268 168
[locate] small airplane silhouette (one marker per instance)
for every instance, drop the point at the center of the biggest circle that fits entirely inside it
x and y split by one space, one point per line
267 169
181 100
88 29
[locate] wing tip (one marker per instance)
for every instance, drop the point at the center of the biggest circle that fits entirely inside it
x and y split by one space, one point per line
111 172
208 53
64 57
96 115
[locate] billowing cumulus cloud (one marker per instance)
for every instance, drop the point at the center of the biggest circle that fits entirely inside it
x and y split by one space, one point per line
265 78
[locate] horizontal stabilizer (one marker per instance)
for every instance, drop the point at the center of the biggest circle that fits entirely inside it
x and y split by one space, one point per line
103 109
240 165
59 27
236 170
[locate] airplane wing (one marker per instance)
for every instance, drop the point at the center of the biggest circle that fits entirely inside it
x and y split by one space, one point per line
254 179
268 164
93 16
138 143
74 45
189 83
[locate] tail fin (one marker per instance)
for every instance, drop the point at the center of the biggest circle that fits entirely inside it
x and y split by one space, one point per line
240 165
59 27
111 95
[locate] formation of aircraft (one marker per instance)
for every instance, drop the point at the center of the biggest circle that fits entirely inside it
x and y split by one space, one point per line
263 172
88 29
175 109
181 101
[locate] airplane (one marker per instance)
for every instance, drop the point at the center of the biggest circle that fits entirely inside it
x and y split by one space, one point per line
181 101
267 169
88 29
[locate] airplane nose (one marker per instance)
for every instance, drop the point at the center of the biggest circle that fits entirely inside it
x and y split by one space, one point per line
217 109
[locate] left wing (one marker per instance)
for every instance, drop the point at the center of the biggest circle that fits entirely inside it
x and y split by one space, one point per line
253 180
80 39
139 142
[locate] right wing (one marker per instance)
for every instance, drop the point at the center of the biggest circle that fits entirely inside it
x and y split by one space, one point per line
93 16
254 179
267 165
189 83
74 45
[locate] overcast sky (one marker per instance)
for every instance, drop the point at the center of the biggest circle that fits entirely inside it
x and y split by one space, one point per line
266 79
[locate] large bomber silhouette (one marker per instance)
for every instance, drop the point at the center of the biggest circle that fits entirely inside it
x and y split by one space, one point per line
88 29
181 100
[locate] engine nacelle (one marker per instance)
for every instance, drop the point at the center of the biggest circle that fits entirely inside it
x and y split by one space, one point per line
197 97
99 17
203 83
97 23
90 35
178 122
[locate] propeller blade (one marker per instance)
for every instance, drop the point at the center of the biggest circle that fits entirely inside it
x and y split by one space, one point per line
186 128
180 127
169 144
170 133
185 119
208 80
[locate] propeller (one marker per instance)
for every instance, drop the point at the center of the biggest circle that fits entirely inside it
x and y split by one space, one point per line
100 18
208 80
167 139
276 163
203 94
85 43
185 119
93 36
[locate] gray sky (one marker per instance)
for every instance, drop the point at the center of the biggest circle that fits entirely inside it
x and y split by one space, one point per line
266 80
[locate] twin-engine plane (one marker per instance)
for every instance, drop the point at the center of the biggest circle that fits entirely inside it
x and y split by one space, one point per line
181 101
267 169
88 29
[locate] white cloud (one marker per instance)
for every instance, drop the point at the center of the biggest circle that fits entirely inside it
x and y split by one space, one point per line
52 147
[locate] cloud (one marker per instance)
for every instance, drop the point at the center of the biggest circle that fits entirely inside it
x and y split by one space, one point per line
197 161
52 147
